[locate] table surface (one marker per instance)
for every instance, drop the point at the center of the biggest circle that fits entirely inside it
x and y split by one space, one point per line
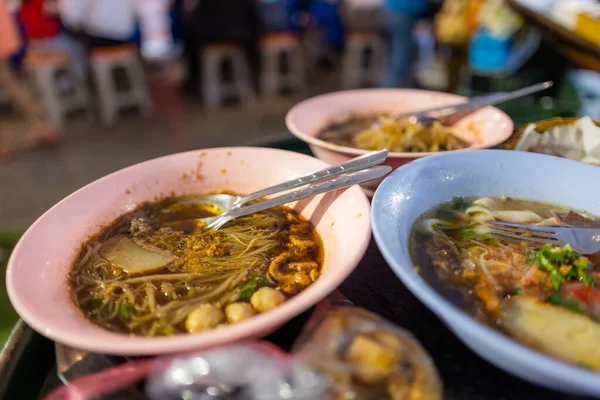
373 286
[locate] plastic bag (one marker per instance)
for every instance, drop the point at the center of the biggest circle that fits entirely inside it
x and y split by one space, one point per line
366 357
250 371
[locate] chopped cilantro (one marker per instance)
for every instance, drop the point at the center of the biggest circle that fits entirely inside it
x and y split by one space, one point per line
574 306
252 286
458 203
125 311
486 236
468 234
447 209
91 304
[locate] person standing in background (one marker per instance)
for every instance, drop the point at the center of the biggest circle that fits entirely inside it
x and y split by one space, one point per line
327 15
219 21
40 130
44 33
401 17
100 23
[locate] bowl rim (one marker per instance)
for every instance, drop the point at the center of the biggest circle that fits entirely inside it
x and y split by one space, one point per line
313 140
452 315
107 342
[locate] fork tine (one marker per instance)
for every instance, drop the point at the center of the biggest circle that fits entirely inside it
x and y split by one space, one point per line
519 239
507 229
508 239
522 226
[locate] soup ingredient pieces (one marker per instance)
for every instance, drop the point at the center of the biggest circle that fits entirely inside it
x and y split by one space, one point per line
207 316
563 265
575 220
552 329
366 357
493 276
125 254
404 136
375 355
252 286
157 263
585 298
293 277
266 299
237 312
558 300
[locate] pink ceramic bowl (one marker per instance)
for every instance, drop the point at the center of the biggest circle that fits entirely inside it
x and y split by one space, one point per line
308 118
36 277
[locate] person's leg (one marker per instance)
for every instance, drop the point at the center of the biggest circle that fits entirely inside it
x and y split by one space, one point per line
400 26
191 52
40 130
253 57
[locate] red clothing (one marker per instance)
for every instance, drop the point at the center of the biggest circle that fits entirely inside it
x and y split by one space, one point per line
37 24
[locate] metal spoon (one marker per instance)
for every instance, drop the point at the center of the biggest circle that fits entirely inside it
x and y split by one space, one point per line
449 115
343 181
228 202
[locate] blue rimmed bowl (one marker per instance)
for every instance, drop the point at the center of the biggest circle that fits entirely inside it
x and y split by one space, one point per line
425 183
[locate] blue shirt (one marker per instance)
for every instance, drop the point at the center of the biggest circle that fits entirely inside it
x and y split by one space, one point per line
414 7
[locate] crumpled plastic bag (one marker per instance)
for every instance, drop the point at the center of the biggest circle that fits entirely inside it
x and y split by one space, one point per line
246 371
367 357
580 141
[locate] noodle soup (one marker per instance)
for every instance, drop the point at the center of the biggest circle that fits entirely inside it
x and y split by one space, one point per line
543 295
395 136
156 271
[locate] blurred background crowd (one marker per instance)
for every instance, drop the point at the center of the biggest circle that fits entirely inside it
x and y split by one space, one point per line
206 73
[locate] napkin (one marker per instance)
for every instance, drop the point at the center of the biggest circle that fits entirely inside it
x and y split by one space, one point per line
580 141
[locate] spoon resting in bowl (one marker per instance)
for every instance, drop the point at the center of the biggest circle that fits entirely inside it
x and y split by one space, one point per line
225 202
343 181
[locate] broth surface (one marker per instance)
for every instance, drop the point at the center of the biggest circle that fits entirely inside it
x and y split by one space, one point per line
156 271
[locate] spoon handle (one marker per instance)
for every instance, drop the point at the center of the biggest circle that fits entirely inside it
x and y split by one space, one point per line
501 97
475 103
356 164
346 180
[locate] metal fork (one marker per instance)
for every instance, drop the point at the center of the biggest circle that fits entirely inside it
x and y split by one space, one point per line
582 240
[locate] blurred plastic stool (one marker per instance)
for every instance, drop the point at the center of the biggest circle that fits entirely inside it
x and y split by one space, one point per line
214 88
275 76
358 68
60 89
104 62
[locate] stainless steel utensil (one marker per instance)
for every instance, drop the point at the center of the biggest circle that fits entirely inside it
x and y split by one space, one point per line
449 115
228 202
343 181
582 240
